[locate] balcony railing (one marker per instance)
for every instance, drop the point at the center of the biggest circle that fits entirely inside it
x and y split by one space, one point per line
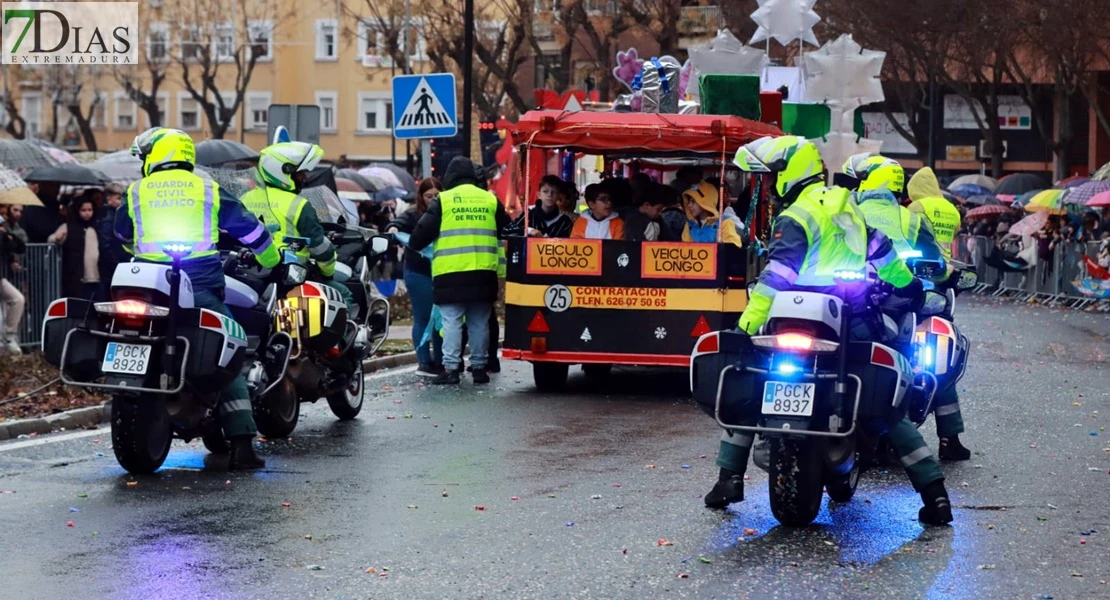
698 20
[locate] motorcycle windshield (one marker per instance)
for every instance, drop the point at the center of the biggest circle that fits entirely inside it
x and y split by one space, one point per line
329 208
238 182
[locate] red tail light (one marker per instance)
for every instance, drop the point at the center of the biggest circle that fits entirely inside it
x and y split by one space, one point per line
539 345
310 291
940 327
708 344
794 341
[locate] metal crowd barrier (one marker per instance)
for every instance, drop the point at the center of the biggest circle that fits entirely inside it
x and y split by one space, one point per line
1048 281
40 281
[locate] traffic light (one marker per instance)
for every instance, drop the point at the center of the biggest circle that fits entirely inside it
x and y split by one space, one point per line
487 126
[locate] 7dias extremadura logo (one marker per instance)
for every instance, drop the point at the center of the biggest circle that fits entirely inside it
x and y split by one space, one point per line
70 33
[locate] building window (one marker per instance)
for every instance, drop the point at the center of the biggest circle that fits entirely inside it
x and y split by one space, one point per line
327 39
163 101
192 43
261 34
373 48
188 112
327 102
157 42
375 113
125 110
258 110
98 110
223 42
31 110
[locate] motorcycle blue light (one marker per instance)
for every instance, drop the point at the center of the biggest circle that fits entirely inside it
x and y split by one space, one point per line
849 275
910 254
930 354
788 368
176 250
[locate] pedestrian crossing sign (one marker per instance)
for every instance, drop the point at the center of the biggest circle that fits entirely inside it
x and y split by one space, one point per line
424 106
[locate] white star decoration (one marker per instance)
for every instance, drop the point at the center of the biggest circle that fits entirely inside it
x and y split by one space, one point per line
786 21
841 72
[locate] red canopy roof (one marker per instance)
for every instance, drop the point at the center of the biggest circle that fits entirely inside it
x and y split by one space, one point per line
604 132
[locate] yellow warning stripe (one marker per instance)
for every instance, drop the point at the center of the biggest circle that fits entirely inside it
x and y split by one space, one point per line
606 297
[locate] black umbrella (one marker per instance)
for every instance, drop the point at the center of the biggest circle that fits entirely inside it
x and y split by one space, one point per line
402 175
983 200
65 174
217 152
24 154
321 176
358 178
1019 183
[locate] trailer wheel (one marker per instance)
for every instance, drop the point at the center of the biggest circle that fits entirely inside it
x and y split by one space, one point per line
597 372
550 377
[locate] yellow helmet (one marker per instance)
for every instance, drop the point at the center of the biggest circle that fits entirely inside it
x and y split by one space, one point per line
875 172
796 162
164 149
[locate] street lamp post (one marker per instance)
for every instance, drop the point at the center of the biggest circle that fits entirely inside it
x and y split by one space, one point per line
468 74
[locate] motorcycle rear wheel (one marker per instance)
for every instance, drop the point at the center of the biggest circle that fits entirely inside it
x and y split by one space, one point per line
276 414
795 485
141 433
348 403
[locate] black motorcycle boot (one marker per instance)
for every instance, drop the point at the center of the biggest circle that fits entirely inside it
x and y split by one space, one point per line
243 456
952 449
938 509
494 365
729 489
480 376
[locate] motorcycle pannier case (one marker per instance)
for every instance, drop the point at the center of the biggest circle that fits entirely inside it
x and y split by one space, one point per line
314 315
886 376
712 353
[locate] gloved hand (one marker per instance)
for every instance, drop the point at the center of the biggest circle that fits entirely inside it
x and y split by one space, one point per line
913 292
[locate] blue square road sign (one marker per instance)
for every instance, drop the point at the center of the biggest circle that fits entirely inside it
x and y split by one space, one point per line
424 106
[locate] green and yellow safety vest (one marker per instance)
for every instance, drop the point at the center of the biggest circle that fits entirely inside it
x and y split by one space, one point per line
174 207
467 232
279 210
945 220
896 222
829 250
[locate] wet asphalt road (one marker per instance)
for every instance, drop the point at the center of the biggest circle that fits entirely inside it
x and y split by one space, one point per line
396 491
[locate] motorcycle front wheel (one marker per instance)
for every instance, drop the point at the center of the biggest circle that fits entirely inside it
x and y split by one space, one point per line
795 485
141 433
348 403
841 488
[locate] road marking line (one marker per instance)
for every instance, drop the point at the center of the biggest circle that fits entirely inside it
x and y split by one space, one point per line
77 435
64 437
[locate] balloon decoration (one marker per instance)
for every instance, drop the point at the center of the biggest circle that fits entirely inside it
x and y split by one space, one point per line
785 21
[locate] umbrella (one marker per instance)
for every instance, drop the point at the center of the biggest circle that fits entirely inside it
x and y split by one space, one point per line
122 156
13 190
24 155
354 176
1024 198
118 172
1006 198
216 152
1073 181
982 212
1030 225
1051 201
1102 174
65 174
1100 200
350 190
983 200
949 196
403 176
982 181
379 173
1019 183
87 157
1083 193
968 190
63 157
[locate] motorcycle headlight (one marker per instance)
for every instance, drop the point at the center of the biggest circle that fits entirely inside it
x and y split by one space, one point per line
295 274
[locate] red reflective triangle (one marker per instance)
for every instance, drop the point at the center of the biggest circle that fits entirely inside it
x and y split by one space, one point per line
539 324
701 328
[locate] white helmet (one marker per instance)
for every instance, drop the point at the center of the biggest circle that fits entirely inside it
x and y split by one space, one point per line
278 163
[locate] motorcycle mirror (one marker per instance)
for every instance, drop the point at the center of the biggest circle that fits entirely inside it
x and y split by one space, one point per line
935 303
379 244
295 274
968 280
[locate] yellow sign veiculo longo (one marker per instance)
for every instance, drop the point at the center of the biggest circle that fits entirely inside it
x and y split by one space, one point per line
669 260
564 257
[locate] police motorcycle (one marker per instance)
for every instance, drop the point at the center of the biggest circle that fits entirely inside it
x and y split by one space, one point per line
328 345
819 397
941 350
163 360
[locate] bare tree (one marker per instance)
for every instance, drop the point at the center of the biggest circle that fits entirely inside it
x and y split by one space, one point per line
14 123
660 19
212 59
141 82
